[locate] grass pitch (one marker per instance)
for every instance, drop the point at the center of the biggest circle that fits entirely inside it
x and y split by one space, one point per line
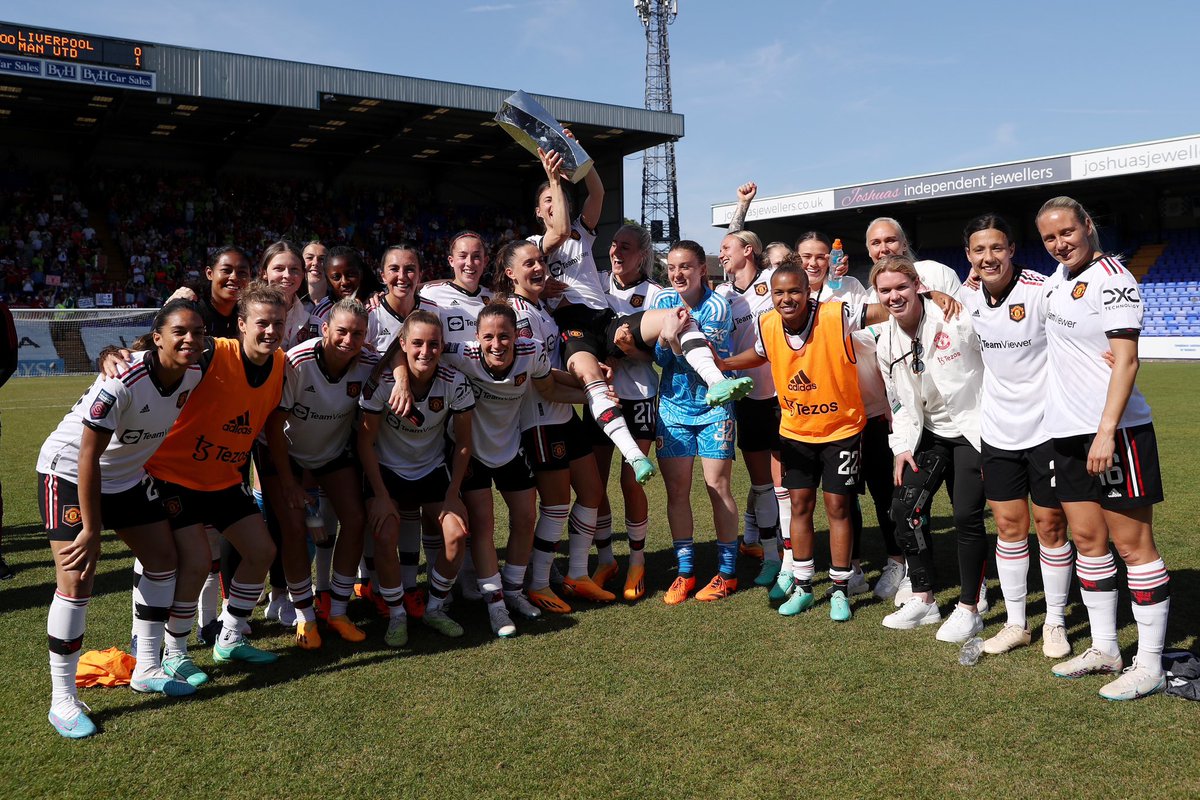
720 700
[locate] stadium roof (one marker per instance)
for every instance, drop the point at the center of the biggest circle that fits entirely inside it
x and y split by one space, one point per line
1126 162
66 85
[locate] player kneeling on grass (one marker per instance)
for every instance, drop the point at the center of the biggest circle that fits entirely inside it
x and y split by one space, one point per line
404 461
310 432
91 477
813 363
688 426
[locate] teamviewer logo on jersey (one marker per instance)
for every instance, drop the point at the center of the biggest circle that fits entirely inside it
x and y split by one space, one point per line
239 424
801 383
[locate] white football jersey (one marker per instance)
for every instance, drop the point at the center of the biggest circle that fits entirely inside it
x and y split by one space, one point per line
383 326
496 434
321 410
415 445
573 264
1012 332
748 305
1081 311
632 379
457 308
299 325
534 322
134 408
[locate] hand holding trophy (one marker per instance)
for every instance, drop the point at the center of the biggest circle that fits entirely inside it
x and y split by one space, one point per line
531 125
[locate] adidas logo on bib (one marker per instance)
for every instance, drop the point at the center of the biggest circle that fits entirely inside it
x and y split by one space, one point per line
800 382
239 424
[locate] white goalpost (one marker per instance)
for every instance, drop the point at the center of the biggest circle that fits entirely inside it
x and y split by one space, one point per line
57 341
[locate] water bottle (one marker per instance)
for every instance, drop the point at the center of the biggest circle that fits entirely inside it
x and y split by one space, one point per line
836 257
314 521
969 655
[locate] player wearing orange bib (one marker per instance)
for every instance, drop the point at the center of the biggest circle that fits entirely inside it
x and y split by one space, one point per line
199 474
813 364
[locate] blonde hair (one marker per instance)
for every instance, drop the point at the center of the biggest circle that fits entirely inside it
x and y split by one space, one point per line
901 264
1064 203
749 238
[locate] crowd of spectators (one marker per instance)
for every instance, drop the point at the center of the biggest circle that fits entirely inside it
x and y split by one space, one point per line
163 226
49 250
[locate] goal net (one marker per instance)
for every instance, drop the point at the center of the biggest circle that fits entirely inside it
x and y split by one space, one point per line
67 341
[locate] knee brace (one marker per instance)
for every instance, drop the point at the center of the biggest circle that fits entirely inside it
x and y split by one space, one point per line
911 499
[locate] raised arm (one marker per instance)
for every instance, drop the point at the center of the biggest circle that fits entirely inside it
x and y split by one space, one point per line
745 195
558 227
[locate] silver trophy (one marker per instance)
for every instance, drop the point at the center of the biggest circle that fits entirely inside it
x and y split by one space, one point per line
532 127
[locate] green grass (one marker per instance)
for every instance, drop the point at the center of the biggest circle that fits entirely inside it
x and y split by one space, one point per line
722 700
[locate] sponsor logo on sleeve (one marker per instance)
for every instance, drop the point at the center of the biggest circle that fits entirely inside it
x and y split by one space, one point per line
102 405
1079 291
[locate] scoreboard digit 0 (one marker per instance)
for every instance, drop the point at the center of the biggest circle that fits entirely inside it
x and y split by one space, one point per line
76 47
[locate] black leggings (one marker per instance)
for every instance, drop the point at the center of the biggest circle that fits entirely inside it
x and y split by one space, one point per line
876 474
964 482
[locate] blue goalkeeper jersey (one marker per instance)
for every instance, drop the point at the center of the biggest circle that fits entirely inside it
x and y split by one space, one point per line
681 391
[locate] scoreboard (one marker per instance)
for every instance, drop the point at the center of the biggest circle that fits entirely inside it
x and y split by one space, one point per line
72 47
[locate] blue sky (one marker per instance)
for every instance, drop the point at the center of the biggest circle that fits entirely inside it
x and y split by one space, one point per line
795 95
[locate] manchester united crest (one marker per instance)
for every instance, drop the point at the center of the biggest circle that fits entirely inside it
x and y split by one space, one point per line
436 404
183 396
558 450
760 289
1016 312
636 301
520 379
1079 290
72 516
354 388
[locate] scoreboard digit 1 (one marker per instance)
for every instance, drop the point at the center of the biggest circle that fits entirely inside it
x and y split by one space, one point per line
72 47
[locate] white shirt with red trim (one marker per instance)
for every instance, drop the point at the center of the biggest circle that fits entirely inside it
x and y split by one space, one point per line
134 408
496 434
632 379
1012 333
457 308
414 445
573 264
748 305
534 322
321 409
1082 312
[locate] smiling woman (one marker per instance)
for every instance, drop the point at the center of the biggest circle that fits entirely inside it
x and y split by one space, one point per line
92 478
1106 454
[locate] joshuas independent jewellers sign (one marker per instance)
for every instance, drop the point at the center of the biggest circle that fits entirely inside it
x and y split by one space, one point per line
1148 157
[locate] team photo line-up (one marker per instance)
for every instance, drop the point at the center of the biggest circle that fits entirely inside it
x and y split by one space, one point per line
302 415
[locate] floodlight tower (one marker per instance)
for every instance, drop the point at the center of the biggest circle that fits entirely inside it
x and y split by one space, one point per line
660 195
